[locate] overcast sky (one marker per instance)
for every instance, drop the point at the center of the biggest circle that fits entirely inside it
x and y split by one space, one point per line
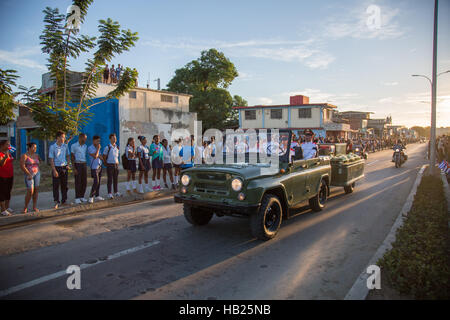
326 50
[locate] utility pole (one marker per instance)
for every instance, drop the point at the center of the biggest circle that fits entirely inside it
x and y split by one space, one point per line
433 92
159 83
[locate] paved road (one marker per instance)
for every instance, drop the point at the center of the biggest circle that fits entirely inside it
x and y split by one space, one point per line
149 251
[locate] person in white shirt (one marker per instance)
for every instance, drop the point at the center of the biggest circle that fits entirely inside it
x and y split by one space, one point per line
78 155
175 151
130 154
309 148
294 144
95 163
144 163
111 158
167 164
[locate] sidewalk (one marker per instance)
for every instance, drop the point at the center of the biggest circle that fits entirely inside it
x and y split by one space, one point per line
46 209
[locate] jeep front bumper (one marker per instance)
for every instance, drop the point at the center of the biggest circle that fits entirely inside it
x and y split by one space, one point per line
231 208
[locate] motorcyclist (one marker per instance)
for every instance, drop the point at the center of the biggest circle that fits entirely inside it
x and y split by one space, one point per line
400 146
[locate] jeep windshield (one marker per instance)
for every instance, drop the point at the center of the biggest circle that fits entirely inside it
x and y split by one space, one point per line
256 147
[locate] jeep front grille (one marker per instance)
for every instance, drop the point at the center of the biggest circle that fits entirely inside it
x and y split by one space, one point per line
211 188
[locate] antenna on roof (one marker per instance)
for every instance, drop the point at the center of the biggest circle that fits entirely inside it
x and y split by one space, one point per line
148 81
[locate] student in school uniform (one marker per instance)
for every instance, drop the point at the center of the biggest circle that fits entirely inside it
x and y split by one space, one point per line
59 156
111 158
156 153
144 163
78 155
167 164
130 153
95 165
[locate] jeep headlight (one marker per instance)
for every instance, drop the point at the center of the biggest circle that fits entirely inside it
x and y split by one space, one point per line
397 150
357 150
185 179
236 184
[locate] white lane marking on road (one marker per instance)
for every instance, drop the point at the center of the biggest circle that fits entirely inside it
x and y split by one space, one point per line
372 162
82 266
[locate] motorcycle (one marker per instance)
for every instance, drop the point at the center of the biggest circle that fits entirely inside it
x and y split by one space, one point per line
399 157
359 150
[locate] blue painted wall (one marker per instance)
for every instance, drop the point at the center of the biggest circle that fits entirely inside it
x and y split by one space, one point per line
105 120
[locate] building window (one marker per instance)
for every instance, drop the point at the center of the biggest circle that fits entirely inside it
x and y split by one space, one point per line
250 114
175 99
276 113
132 94
304 113
166 98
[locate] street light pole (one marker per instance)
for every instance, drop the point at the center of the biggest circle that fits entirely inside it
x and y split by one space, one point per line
433 92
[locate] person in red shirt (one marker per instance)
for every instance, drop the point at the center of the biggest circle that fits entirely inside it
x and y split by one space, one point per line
6 177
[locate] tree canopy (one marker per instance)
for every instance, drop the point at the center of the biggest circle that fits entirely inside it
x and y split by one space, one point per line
7 81
207 79
63 44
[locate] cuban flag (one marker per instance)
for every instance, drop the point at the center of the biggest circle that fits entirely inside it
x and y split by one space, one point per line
12 149
444 166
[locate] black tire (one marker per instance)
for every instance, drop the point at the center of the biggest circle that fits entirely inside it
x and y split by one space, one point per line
197 216
265 223
349 189
318 202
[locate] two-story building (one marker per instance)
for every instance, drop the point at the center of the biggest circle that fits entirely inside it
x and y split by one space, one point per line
297 116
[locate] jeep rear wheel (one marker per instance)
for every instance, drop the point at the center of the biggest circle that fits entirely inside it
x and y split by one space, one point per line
266 222
197 216
318 202
349 188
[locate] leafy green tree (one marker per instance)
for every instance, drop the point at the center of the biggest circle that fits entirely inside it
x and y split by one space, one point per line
423 132
7 105
63 44
207 79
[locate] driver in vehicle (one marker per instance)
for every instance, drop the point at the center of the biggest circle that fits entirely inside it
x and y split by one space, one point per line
309 148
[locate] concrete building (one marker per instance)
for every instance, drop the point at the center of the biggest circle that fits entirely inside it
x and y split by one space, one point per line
297 116
149 112
141 111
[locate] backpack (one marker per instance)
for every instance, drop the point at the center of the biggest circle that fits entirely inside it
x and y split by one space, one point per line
124 161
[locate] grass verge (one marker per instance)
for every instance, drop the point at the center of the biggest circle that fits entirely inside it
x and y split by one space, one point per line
418 265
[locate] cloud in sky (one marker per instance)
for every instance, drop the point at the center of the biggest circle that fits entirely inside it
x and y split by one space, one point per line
354 24
389 84
21 57
303 51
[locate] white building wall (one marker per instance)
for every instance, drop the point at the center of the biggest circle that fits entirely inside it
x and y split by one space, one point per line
313 122
275 123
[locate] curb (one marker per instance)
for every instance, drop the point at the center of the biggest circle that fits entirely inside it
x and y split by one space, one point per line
359 289
126 199
447 193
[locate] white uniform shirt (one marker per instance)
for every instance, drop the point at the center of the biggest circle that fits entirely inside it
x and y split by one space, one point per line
112 154
309 150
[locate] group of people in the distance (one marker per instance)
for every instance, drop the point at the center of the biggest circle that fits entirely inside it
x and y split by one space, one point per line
112 75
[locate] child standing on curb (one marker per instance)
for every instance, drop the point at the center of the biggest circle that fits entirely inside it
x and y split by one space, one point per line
130 153
167 164
144 163
156 152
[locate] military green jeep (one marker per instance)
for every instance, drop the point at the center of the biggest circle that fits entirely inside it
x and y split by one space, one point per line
256 190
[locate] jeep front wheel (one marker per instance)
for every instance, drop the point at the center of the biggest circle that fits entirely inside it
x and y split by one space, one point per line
197 216
318 202
266 222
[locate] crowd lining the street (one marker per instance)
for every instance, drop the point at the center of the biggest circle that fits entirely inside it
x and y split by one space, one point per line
139 157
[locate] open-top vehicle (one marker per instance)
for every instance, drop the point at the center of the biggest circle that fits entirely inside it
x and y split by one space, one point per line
258 190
